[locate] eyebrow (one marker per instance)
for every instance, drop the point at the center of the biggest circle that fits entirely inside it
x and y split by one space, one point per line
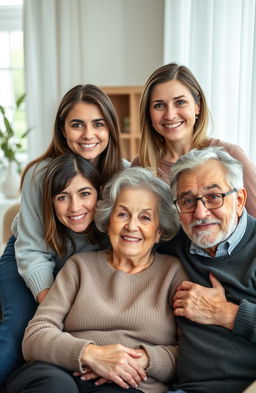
79 190
82 122
207 188
174 98
126 208
77 121
182 96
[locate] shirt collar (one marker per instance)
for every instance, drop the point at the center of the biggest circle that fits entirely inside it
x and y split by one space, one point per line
226 247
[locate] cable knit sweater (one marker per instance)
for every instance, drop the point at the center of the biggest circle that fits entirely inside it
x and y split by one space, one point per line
91 302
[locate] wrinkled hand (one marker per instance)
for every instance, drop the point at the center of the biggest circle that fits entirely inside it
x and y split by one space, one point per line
143 361
207 306
115 363
88 374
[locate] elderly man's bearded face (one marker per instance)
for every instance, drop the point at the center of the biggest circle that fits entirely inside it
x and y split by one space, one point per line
207 228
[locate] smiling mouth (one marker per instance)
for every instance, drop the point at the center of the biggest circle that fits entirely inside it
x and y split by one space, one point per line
173 125
88 146
204 227
130 239
77 217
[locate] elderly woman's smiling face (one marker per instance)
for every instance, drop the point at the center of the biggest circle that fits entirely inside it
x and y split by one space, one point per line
134 223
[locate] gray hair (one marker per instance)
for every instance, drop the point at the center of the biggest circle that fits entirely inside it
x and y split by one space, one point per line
138 177
196 157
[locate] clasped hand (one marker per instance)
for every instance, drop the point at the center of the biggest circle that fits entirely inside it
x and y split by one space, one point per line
204 305
114 363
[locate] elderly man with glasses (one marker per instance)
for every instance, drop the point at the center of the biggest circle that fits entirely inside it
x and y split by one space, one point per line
216 310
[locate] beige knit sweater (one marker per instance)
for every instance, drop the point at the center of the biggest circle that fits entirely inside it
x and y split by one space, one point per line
91 302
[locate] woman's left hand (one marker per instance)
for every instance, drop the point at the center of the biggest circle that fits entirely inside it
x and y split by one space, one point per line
88 374
114 362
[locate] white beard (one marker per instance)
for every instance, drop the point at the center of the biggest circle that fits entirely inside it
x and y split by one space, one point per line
203 238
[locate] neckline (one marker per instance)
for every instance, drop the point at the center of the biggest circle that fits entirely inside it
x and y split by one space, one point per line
148 269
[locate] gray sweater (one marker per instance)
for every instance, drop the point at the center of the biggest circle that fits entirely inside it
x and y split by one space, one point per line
91 302
211 358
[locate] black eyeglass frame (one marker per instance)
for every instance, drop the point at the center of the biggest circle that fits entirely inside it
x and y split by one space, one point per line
222 194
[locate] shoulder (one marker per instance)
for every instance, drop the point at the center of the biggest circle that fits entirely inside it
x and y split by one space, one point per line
36 171
234 150
83 266
84 260
171 266
168 261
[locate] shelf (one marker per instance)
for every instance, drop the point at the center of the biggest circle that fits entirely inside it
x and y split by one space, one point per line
126 100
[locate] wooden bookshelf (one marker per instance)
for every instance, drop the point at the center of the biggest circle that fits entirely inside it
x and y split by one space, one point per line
126 101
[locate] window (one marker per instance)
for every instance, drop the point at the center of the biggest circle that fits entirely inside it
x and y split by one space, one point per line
12 65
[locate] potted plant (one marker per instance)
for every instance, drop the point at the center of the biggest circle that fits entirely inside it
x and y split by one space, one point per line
10 144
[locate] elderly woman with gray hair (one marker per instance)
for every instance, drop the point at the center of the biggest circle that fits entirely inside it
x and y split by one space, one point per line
107 316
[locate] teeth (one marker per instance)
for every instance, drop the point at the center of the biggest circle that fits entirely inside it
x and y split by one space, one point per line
130 239
88 145
77 217
174 125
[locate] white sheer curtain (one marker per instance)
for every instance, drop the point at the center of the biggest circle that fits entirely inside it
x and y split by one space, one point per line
53 35
216 39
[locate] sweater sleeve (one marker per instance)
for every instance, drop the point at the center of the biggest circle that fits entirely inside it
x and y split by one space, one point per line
246 321
35 262
162 361
44 338
249 171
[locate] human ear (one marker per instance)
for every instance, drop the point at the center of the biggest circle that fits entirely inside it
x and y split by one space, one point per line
158 235
241 199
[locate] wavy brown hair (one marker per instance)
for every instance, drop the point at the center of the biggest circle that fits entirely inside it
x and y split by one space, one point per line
58 175
152 144
110 159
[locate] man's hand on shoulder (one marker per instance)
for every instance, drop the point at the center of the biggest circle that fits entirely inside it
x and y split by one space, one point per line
207 306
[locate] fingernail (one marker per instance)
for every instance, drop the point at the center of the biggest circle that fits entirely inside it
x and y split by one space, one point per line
145 378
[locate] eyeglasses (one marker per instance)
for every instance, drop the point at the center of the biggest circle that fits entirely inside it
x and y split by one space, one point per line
210 201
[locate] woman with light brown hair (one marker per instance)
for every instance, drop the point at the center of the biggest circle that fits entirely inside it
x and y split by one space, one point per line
174 119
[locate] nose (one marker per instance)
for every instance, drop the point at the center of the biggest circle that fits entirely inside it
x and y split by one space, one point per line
74 204
201 211
170 111
88 132
132 224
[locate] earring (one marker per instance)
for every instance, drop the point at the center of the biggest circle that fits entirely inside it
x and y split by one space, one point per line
197 116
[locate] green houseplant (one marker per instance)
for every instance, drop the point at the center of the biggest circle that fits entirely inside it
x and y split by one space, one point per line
11 145
10 142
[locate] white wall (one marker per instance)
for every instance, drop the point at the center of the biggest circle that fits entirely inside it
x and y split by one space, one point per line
123 40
